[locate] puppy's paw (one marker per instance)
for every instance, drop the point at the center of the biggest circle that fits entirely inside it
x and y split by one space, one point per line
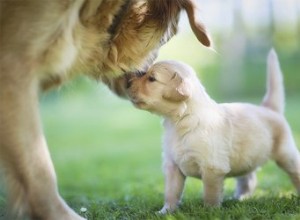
167 209
163 212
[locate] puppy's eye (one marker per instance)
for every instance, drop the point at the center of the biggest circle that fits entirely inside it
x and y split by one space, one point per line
151 79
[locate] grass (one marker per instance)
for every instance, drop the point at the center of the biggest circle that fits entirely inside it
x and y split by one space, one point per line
107 154
108 159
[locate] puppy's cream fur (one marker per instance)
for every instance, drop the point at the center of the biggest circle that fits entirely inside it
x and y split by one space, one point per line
213 141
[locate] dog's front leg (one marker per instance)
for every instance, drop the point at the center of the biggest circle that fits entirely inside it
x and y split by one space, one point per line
30 176
174 184
213 187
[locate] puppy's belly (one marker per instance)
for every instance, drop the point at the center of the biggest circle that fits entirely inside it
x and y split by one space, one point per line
247 163
238 173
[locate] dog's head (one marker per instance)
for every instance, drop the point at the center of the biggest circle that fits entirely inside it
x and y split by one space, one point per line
164 88
142 30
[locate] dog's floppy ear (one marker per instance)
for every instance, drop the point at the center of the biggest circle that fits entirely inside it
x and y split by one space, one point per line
197 26
178 91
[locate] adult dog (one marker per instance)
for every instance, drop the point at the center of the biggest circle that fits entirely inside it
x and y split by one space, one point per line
46 42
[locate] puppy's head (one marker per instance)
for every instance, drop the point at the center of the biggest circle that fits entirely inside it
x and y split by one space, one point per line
164 88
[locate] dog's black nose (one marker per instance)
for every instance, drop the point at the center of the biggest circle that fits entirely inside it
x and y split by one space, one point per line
128 78
128 84
140 73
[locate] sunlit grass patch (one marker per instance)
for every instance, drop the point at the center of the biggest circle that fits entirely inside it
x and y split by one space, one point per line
108 160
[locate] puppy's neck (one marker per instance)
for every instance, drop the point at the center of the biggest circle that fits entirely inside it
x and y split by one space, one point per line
198 110
177 113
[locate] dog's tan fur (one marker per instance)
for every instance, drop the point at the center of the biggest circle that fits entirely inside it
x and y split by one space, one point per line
43 43
212 141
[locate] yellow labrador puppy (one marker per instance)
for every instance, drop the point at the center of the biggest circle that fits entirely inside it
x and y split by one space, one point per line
45 42
213 141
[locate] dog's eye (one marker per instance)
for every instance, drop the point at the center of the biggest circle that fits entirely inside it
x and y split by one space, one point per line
151 79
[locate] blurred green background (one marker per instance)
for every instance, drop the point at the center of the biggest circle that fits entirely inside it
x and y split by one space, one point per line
104 148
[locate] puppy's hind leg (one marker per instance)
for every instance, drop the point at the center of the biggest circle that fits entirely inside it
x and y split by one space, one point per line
245 186
287 157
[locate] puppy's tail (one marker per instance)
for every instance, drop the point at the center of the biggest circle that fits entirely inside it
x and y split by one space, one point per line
274 97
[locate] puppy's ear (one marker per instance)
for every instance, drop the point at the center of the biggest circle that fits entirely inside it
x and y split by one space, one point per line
197 26
178 91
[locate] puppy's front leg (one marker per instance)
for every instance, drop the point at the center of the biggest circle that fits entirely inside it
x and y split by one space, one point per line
174 183
213 187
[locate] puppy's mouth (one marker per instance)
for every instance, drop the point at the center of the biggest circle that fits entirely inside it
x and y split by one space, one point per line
131 91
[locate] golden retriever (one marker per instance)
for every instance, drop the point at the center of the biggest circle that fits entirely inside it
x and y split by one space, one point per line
45 42
212 141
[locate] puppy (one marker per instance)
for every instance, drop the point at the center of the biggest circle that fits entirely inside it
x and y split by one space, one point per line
212 141
45 42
